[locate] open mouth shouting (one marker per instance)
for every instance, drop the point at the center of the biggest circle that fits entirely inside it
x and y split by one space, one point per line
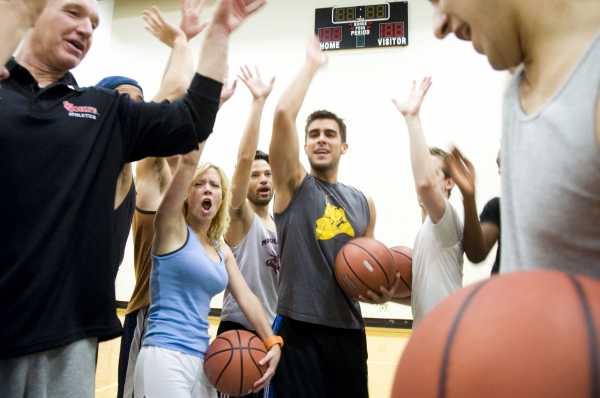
206 205
264 191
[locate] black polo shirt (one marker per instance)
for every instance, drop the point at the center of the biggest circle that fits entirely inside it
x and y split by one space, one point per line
61 150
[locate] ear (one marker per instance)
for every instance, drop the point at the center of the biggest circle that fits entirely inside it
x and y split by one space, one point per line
450 183
344 147
305 150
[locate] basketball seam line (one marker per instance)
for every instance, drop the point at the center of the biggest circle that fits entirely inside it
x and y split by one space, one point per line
378 263
252 358
354 273
591 333
401 277
450 340
225 367
241 362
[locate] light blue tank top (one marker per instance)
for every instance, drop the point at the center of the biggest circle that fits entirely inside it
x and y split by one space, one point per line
551 176
182 284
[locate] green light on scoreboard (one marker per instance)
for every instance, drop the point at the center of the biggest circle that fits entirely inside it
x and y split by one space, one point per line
360 41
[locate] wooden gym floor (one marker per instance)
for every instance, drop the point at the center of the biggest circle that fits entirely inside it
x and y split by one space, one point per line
384 344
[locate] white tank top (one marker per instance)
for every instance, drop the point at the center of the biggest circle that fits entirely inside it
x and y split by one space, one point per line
258 258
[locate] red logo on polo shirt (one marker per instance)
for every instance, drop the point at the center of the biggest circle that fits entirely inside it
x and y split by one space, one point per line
81 111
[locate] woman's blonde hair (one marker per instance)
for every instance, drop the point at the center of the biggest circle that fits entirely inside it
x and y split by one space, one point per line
219 224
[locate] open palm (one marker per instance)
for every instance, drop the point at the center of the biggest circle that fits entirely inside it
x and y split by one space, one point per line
257 87
190 18
412 105
230 14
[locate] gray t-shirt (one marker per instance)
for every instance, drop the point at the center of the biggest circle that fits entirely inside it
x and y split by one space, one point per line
319 220
551 176
258 258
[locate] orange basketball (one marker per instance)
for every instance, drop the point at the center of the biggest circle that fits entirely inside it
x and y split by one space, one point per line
403 258
523 334
231 362
364 264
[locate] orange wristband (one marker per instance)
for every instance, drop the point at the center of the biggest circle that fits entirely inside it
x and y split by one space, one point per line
271 341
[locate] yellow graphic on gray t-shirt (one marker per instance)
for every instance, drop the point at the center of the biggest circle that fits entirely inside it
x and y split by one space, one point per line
333 222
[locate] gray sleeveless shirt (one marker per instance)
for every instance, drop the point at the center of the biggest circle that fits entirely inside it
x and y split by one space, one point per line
551 176
258 258
319 220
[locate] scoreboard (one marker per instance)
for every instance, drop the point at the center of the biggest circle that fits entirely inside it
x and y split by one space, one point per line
377 25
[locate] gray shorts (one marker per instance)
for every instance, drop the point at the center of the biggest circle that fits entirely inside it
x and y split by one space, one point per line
64 372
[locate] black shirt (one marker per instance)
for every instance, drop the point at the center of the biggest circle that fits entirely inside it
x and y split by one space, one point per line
61 150
491 213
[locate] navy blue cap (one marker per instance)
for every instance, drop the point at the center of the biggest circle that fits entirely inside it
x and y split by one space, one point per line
113 82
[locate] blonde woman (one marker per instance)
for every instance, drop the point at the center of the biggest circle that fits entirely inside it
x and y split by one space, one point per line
191 264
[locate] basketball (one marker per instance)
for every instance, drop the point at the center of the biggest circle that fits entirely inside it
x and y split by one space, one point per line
523 334
403 258
231 362
364 264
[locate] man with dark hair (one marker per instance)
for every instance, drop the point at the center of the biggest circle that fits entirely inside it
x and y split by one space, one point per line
323 329
58 271
438 251
251 234
324 114
551 135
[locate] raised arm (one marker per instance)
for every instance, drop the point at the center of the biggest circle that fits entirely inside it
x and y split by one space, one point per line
423 167
152 178
284 151
240 211
15 18
170 230
227 91
227 17
153 175
180 69
254 312
463 173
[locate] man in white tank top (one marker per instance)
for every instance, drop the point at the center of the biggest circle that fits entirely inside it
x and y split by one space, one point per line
251 234
551 138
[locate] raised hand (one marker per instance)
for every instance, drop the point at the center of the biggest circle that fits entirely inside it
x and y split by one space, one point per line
230 14
258 88
227 91
314 54
462 172
164 30
190 18
412 105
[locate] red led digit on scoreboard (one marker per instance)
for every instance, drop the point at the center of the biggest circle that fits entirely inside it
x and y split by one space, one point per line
330 34
391 30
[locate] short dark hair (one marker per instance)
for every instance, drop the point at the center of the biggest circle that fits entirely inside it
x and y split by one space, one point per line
324 114
443 156
260 155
